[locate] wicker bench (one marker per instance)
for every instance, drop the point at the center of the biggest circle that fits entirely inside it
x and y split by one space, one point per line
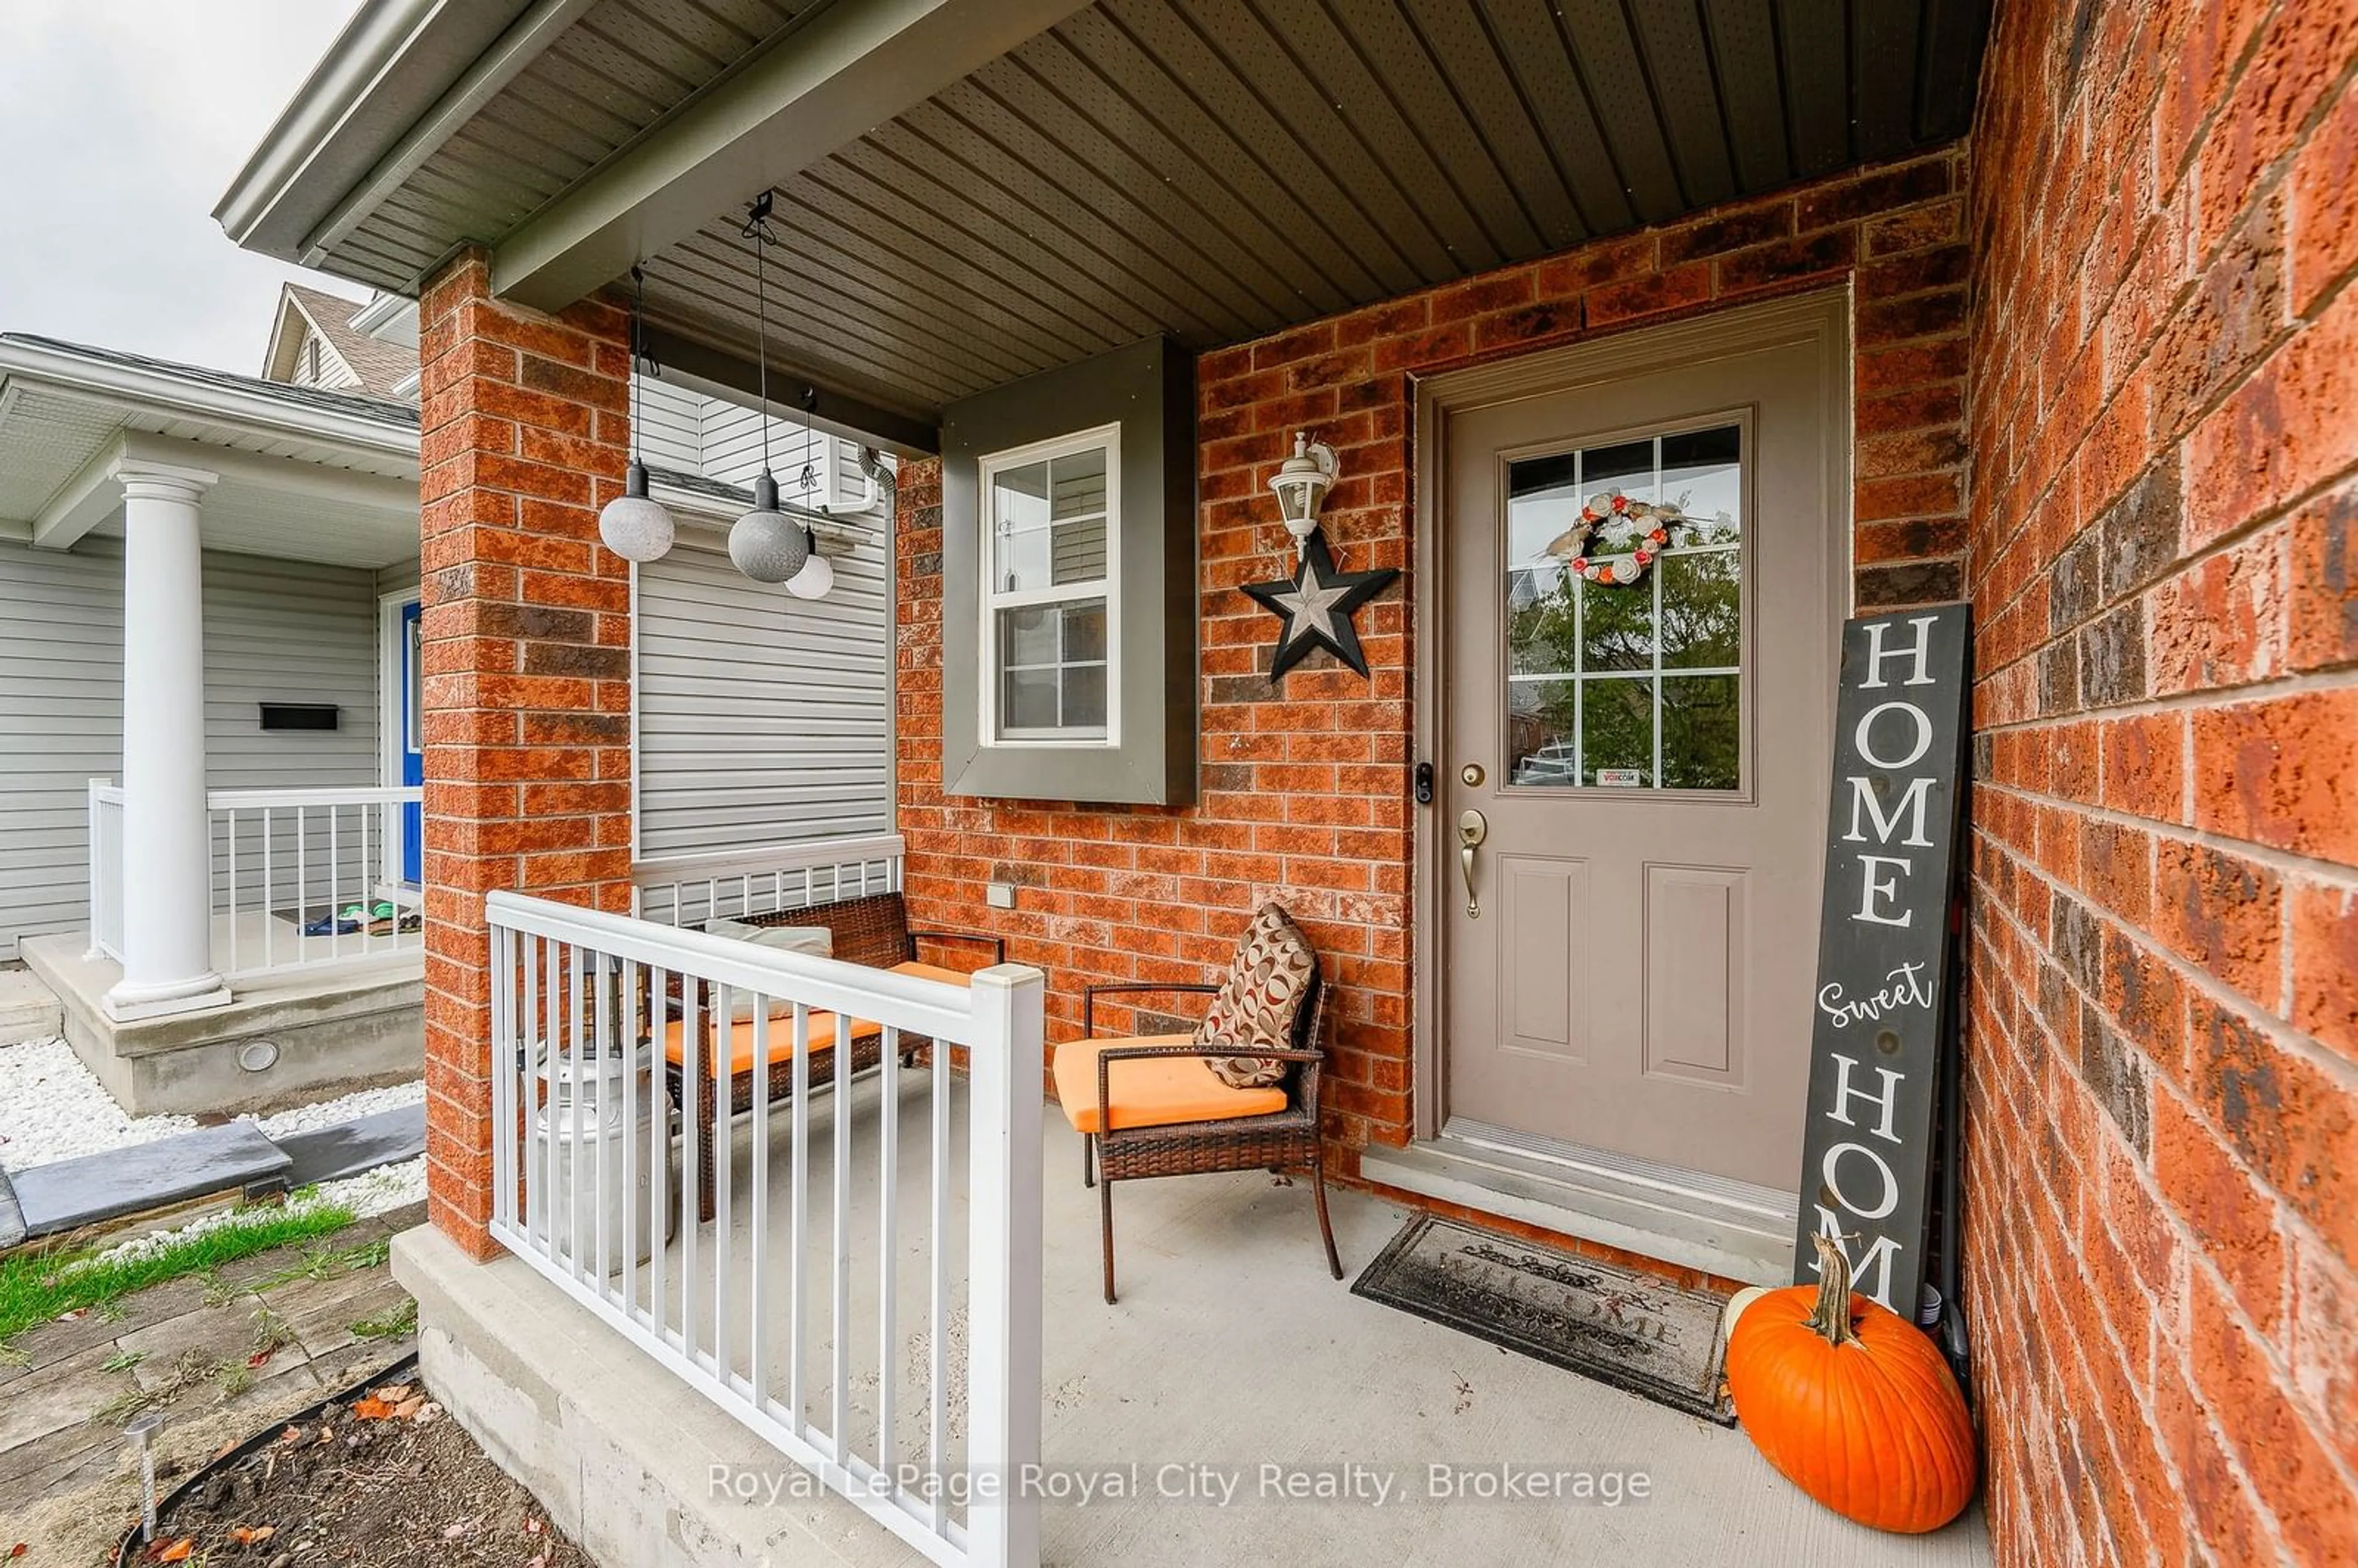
874 931
1150 1105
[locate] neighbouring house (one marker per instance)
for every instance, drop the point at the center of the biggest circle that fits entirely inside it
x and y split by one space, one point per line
279 769
2041 307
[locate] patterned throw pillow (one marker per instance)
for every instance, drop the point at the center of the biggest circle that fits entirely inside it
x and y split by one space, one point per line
1256 1006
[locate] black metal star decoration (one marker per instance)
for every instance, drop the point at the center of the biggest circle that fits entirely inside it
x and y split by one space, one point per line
1316 604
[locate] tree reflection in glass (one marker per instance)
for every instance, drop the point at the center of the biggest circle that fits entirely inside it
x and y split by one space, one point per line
1595 670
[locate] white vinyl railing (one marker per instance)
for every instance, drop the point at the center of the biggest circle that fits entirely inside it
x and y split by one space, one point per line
736 884
286 866
289 863
852 1260
107 869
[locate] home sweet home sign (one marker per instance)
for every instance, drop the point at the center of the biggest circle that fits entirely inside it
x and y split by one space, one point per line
1883 982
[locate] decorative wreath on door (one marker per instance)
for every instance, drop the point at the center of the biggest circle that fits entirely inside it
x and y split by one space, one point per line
1614 516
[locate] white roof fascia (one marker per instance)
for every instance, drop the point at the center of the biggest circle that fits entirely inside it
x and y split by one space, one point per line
139 386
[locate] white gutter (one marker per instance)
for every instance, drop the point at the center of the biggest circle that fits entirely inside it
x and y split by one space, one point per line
381 311
158 388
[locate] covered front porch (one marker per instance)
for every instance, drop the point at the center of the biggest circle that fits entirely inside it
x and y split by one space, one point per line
1091 271
212 669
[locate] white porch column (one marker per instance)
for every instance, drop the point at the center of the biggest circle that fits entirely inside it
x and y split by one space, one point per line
168 965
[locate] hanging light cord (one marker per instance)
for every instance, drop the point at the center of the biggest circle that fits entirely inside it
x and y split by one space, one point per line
757 230
638 356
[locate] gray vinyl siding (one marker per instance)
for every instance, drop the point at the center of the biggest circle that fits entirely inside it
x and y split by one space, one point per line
762 718
288 631
400 577
671 425
274 630
61 726
732 447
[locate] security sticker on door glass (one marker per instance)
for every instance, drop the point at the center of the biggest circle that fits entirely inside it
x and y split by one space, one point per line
1621 778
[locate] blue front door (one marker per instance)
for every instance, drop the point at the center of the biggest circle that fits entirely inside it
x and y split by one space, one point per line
413 744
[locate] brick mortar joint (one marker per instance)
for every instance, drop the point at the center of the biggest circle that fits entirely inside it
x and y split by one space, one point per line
2221 997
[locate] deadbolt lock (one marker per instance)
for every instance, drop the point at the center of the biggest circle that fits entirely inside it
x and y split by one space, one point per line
1472 775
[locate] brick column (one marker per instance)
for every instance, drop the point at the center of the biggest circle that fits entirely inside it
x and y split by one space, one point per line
527 626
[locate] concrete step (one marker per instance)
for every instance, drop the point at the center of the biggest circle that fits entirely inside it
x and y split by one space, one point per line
28 1009
349 1148
71 1194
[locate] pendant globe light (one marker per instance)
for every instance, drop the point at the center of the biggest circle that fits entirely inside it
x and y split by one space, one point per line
817 575
633 526
765 543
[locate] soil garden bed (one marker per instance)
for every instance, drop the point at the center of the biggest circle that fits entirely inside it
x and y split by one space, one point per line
378 1478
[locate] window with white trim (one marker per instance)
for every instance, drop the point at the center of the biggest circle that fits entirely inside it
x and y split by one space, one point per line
1051 551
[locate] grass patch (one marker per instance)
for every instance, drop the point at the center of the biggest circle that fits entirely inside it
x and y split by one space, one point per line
34 1290
400 1320
324 1262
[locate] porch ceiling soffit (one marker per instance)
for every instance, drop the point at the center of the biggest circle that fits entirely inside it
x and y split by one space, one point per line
969 198
258 505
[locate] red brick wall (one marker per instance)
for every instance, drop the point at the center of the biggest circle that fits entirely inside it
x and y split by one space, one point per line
2163 1164
526 626
1305 791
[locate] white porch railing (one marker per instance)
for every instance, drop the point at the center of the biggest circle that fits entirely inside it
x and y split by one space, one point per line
583 1190
107 869
286 862
733 884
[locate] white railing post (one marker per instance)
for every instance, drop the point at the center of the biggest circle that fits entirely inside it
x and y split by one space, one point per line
105 871
1005 1262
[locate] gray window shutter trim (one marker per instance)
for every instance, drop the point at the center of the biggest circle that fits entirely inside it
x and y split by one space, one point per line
1150 387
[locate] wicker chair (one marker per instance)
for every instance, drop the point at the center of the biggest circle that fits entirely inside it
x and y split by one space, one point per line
874 931
1279 1139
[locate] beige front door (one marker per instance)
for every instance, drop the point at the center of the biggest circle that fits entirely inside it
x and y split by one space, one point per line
1646 761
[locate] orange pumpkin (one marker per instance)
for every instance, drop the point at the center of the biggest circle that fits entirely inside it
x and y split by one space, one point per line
1852 1402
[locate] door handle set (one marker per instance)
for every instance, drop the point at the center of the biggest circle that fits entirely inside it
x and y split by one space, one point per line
1472 829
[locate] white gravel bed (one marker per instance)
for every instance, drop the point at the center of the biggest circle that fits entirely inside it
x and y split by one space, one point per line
52 1108
343 1108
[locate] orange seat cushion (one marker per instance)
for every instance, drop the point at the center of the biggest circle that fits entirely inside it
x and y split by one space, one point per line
935 972
782 1030
1160 1091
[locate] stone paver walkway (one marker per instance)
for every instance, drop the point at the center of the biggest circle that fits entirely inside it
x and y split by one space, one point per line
69 1481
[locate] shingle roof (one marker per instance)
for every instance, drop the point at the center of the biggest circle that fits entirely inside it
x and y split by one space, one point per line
388 411
380 366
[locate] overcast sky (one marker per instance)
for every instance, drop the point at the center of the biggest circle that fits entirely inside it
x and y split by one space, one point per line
121 123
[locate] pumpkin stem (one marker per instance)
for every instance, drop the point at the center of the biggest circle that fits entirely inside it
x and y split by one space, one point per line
1830 1317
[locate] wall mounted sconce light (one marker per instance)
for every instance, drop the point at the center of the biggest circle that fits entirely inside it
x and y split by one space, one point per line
1301 484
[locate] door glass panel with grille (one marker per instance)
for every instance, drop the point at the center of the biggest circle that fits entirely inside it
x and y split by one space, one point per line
1627 684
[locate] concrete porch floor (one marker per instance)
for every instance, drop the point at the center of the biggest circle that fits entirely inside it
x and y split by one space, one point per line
1230 1347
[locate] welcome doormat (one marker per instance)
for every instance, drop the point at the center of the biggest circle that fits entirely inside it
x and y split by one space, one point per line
1634 1331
